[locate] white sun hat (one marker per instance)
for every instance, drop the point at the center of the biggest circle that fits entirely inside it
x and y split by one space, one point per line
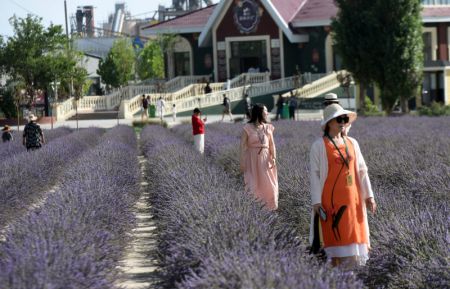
331 97
334 110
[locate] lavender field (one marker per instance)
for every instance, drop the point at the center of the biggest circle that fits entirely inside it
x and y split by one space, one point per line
409 165
66 210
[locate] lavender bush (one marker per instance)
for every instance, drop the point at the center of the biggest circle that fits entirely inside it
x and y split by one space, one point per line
76 237
26 177
15 147
205 217
409 166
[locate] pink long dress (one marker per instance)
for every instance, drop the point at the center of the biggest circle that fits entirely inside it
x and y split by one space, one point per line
260 176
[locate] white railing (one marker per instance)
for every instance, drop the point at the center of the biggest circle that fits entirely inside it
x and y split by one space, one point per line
179 82
249 78
211 99
317 87
65 109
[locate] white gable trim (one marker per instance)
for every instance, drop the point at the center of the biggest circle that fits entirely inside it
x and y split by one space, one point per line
218 14
293 38
313 23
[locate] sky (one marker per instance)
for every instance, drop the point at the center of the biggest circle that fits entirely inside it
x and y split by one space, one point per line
52 11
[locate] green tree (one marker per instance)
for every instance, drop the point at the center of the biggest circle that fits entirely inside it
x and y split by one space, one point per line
150 62
118 67
354 41
399 32
35 55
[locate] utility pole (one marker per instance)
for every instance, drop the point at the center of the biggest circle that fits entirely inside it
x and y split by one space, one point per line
65 15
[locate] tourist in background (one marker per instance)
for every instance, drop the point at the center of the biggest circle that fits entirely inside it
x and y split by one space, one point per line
248 106
226 107
258 158
7 134
340 191
174 112
198 130
160 106
33 137
279 105
207 88
293 104
144 103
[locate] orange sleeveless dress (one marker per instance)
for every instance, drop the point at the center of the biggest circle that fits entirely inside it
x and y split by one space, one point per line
345 224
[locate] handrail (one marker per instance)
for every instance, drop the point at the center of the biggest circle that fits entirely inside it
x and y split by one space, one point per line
317 87
249 78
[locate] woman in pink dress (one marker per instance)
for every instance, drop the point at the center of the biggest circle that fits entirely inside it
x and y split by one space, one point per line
257 158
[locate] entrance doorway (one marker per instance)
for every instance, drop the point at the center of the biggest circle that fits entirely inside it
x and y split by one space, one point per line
248 56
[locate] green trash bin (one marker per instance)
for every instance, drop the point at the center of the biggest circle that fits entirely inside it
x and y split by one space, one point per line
285 111
152 110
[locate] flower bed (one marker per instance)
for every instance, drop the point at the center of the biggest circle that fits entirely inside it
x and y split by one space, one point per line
76 237
208 226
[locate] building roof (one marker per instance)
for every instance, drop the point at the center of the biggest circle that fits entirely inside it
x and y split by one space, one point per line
286 13
190 22
288 8
436 14
315 13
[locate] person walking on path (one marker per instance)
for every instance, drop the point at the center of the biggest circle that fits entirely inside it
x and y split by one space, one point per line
33 137
279 106
160 106
341 192
144 107
248 106
227 107
198 130
207 88
258 158
293 104
7 134
174 112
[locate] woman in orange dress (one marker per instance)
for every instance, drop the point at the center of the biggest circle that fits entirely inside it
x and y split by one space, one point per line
258 158
341 190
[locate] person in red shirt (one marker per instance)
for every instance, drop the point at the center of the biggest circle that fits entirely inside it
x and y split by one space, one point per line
198 130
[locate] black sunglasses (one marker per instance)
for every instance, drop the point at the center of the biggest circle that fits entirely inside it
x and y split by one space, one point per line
342 119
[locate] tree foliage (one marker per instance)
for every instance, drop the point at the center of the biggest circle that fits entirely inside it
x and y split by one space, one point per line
150 62
118 67
400 34
354 41
380 42
37 56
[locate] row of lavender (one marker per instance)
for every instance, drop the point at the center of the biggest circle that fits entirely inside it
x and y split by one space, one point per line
15 147
409 166
75 238
213 235
27 176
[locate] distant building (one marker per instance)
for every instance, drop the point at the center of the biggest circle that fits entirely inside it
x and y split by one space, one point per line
285 37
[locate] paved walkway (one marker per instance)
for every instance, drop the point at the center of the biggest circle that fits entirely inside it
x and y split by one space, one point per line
108 123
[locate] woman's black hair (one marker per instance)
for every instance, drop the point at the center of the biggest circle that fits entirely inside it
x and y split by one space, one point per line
326 131
257 114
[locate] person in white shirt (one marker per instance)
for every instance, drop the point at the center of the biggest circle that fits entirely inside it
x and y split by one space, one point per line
160 106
